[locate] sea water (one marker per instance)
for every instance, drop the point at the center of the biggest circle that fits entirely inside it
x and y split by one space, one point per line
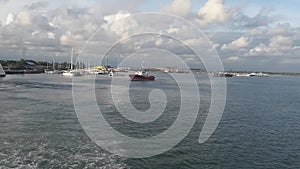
260 127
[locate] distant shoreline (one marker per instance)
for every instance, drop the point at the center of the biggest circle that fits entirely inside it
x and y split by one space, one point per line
9 72
269 73
36 67
12 72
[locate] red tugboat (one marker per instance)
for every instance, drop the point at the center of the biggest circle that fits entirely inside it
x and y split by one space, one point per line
141 76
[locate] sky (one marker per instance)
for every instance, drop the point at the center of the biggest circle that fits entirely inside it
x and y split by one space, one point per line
247 35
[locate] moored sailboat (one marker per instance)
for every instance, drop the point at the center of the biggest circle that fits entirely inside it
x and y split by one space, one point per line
72 72
2 72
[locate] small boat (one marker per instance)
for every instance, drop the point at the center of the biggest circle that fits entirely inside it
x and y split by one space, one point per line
94 72
2 73
72 73
222 74
228 74
53 72
111 73
141 76
260 74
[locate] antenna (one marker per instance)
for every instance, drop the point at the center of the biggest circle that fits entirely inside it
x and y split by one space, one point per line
53 62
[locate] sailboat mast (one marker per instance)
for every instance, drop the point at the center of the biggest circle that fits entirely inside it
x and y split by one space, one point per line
53 63
72 59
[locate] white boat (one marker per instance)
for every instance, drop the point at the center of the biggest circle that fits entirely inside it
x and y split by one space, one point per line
260 74
53 72
242 74
95 72
111 73
72 72
2 73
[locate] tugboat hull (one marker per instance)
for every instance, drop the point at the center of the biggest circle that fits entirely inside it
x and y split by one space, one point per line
135 77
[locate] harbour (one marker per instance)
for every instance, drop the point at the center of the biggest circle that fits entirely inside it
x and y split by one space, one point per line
44 132
100 70
173 84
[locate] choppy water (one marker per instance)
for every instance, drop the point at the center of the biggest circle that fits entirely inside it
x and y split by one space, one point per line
260 127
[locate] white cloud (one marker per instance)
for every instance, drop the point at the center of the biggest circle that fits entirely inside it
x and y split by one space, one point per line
121 24
24 18
281 42
278 45
214 11
262 19
51 35
256 32
281 29
159 42
13 6
10 18
172 30
241 42
199 42
237 44
115 17
216 45
179 7
233 58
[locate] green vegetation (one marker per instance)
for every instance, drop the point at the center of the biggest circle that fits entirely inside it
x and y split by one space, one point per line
32 65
